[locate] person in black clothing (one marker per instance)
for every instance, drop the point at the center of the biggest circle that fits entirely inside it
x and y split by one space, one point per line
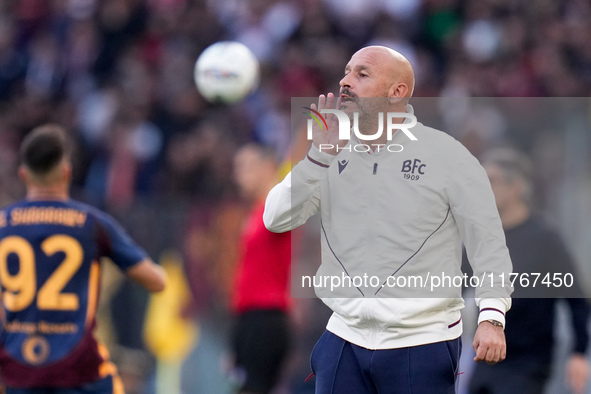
535 248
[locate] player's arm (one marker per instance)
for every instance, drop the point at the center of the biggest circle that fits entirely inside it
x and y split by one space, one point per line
473 206
128 256
290 203
297 197
148 274
558 259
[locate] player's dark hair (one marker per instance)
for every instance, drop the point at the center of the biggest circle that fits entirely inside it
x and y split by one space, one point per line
44 148
515 165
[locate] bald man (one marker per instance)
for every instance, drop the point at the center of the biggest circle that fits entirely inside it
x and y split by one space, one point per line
394 211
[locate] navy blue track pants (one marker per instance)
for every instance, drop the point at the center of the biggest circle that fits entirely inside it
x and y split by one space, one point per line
342 367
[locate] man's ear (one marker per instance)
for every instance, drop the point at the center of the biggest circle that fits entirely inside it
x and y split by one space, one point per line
397 92
67 172
23 174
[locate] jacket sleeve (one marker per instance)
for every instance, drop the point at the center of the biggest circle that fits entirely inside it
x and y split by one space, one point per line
290 203
473 205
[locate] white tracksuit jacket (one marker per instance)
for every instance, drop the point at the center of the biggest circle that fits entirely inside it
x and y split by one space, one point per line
399 214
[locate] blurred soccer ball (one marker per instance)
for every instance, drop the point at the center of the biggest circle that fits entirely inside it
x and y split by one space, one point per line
226 72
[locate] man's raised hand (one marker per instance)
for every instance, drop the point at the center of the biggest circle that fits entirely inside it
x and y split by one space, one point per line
326 137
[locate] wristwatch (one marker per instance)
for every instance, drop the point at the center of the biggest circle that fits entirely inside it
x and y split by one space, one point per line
494 322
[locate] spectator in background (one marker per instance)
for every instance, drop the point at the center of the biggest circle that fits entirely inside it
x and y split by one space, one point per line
534 247
261 299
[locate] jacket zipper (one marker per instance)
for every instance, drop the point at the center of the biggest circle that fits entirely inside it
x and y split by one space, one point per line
370 303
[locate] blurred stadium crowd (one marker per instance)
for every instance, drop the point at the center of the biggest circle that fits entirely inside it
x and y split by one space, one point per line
119 75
